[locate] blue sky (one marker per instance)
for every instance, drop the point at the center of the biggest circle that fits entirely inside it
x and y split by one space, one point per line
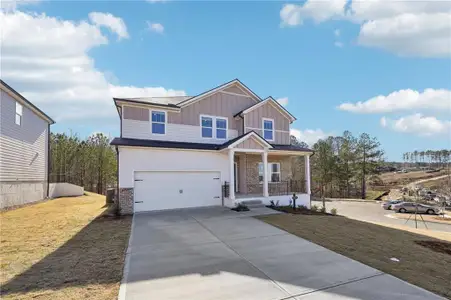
319 56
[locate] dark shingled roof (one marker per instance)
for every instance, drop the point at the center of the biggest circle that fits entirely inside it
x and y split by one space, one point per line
193 146
146 102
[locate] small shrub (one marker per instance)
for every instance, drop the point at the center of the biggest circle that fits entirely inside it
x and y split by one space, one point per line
333 211
323 209
314 208
241 207
271 203
302 207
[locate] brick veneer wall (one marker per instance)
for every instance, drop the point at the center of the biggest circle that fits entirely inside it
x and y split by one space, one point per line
251 172
126 201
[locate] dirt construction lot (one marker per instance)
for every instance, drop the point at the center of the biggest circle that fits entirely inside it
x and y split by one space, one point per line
62 249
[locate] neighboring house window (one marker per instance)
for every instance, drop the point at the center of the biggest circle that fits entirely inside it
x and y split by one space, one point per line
221 128
273 172
268 129
19 110
207 127
158 122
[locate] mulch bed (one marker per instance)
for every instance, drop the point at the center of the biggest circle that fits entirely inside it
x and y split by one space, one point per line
298 211
442 247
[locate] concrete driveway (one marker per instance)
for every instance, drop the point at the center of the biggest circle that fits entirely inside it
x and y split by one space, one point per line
215 253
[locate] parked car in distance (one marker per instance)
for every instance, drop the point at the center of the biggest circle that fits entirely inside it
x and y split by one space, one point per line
389 204
411 207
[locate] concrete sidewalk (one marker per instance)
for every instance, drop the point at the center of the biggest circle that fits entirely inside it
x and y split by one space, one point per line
216 253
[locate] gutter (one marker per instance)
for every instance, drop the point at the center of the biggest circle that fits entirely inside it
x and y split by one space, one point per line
48 160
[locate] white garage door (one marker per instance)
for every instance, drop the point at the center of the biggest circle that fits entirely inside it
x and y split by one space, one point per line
169 190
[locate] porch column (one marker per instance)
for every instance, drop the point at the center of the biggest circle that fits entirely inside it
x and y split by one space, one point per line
232 174
307 174
265 174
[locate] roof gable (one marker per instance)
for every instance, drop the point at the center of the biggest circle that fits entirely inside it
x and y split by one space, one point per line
235 87
250 139
270 100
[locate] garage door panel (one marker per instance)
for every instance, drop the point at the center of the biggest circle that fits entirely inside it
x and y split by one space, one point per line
170 190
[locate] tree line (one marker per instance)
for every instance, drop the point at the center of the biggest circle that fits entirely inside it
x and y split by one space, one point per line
432 157
89 162
342 164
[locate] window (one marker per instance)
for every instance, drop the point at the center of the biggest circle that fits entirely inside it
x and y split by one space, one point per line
268 129
207 127
214 127
273 172
19 110
158 122
221 128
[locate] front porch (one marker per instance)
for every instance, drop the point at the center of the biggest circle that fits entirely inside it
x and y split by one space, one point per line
263 173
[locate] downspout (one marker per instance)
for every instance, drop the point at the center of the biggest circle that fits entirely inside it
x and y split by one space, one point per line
48 160
117 176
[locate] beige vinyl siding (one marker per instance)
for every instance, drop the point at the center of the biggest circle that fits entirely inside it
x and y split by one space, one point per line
23 149
136 113
236 90
250 143
267 110
254 122
219 104
239 125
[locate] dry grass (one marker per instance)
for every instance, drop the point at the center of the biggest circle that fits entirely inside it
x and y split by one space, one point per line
62 249
374 245
405 178
436 184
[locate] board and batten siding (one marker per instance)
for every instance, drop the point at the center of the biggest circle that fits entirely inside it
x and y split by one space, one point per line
254 121
23 149
184 126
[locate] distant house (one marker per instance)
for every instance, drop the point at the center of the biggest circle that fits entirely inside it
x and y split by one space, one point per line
24 149
222 147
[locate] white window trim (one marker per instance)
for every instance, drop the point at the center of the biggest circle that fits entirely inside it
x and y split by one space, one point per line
273 129
18 114
270 172
165 121
213 124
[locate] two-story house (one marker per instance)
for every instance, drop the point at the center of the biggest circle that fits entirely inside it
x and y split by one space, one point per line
222 147
24 149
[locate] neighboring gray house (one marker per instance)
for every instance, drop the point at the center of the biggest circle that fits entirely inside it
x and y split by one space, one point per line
222 147
24 149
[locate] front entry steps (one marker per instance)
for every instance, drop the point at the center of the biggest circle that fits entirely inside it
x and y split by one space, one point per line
253 203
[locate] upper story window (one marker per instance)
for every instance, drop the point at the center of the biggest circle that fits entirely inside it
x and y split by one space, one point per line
268 129
19 111
207 127
214 127
221 128
158 122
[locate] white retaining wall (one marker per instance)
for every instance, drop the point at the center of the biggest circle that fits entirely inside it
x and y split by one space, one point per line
64 189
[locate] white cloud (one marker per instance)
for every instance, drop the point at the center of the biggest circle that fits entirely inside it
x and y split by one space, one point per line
283 101
408 28
113 23
156 1
337 32
310 136
403 100
156 27
10 5
383 122
410 34
419 125
318 10
56 73
338 44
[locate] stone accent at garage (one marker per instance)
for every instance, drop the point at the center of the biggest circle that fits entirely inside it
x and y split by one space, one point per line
126 201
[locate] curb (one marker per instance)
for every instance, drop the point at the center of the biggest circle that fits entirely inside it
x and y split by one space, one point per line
427 221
